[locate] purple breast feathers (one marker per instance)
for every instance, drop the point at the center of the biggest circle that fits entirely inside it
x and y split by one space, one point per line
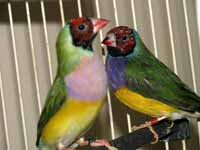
115 68
88 82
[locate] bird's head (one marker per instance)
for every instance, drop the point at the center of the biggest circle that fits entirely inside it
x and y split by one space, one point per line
120 41
84 30
79 32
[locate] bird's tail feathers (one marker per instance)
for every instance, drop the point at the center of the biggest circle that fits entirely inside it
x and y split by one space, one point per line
191 115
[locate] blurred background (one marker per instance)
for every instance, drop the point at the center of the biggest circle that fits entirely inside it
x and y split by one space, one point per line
28 31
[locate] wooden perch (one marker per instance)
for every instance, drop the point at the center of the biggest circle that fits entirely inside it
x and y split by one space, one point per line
141 137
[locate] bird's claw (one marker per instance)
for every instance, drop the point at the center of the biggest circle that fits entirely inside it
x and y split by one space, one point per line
155 135
145 125
103 142
148 124
92 143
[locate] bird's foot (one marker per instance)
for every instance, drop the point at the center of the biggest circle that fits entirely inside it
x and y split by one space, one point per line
145 125
149 125
102 142
92 143
155 135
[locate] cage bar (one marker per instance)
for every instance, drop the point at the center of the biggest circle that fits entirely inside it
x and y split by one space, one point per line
171 36
115 12
198 23
79 8
62 13
117 24
190 54
46 40
33 55
4 113
173 49
98 16
153 28
108 92
155 45
17 75
189 45
135 27
133 14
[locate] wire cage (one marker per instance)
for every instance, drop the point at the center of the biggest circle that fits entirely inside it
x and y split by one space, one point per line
28 62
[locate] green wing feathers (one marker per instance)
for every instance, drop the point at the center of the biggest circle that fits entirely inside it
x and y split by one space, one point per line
55 98
151 78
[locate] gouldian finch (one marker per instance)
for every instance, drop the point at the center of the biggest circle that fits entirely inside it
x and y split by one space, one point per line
79 88
142 82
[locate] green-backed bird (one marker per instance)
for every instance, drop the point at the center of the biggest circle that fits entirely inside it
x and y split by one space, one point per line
142 82
79 88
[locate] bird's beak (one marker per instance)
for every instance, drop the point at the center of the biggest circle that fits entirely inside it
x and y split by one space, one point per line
107 41
99 24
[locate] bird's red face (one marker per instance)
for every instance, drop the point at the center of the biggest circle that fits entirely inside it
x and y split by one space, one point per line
119 41
85 29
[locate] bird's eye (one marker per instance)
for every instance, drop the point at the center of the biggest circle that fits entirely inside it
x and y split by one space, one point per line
81 27
124 38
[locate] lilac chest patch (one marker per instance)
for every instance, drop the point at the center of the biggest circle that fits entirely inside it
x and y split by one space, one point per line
88 82
115 71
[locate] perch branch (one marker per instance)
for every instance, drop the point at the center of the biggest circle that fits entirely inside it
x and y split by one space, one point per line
141 137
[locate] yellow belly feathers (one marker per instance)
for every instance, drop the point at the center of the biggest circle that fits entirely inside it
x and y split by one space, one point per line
144 105
71 120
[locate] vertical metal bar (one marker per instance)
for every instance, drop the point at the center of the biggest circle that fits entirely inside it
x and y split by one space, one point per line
198 16
117 24
184 144
99 16
62 13
33 55
153 28
189 45
108 93
18 76
198 21
135 27
110 115
79 8
191 55
171 36
46 40
4 113
133 14
129 122
115 12
173 49
155 44
166 145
